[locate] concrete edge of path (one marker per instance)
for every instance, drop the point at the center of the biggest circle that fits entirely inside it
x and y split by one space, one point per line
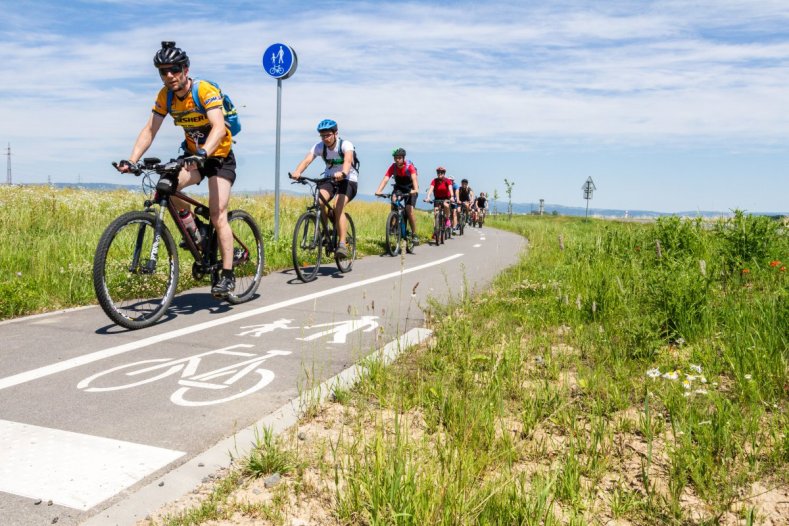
187 477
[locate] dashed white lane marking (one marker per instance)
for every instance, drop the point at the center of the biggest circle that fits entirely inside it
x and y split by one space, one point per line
65 365
71 469
482 238
477 245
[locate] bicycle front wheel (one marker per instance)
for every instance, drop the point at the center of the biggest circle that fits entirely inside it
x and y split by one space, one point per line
345 264
306 248
248 256
134 283
393 233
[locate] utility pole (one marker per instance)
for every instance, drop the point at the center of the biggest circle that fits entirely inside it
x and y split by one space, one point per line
8 179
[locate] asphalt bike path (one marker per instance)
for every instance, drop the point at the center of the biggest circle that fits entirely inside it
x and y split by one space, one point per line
92 414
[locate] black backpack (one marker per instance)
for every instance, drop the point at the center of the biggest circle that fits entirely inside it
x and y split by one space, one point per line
332 162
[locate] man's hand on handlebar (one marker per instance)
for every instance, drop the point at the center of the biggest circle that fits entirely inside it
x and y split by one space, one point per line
196 160
123 166
295 176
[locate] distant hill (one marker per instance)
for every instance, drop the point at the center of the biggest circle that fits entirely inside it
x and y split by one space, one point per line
500 206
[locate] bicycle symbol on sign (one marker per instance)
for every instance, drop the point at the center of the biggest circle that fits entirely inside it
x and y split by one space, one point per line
276 70
236 380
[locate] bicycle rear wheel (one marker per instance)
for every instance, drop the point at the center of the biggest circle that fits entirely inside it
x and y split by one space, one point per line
132 289
248 256
345 264
393 233
306 248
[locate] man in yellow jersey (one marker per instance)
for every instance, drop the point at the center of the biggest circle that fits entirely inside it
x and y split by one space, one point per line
207 148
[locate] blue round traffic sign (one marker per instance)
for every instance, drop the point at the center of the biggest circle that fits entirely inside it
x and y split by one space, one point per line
279 61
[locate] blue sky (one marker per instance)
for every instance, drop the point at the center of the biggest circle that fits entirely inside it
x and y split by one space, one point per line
668 105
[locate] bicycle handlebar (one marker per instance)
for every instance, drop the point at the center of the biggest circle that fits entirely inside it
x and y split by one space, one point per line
303 179
153 164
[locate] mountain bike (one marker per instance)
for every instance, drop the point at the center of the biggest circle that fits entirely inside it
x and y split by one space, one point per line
315 233
462 218
135 268
397 226
441 231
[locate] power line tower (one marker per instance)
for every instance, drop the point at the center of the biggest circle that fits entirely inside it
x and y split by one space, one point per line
8 179
588 188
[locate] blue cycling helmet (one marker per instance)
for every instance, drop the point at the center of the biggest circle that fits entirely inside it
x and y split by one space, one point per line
327 125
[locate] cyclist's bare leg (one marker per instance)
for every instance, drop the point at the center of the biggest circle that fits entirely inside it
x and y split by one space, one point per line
185 178
218 199
325 197
409 213
340 223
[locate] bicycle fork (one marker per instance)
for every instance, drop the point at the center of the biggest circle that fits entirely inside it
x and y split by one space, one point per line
150 265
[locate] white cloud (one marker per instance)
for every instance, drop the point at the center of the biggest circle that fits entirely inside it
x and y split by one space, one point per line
453 77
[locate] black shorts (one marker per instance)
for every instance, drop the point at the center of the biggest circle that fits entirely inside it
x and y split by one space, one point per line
344 187
222 167
409 199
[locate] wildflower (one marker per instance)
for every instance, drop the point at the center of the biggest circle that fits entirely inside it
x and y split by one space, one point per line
653 373
696 368
704 380
691 377
686 384
748 377
745 271
671 376
680 341
19 274
783 268
700 391
774 263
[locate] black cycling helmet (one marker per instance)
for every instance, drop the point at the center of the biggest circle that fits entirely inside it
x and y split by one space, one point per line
398 152
464 181
169 54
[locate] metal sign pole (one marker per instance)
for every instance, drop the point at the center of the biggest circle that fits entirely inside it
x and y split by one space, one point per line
276 162
279 62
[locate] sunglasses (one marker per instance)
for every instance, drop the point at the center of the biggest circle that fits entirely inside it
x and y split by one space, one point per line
326 135
172 69
440 172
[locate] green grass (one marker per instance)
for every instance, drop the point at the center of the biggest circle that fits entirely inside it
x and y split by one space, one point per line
618 371
50 237
533 404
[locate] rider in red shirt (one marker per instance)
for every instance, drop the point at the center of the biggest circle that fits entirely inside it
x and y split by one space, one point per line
405 182
441 187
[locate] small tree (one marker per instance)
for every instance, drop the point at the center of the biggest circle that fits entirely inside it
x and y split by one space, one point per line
495 198
509 186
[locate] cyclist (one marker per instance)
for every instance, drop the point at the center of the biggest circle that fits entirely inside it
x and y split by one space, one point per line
340 177
454 203
405 182
441 186
482 205
465 196
207 149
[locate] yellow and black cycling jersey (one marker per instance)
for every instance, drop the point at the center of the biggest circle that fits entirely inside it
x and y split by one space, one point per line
195 124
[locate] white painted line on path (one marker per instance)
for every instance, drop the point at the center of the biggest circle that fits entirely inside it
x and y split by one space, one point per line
71 469
477 245
47 370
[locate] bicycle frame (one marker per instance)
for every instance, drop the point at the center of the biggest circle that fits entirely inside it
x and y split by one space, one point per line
322 219
205 257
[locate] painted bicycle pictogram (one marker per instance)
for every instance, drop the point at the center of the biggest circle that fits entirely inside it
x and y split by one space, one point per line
231 382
